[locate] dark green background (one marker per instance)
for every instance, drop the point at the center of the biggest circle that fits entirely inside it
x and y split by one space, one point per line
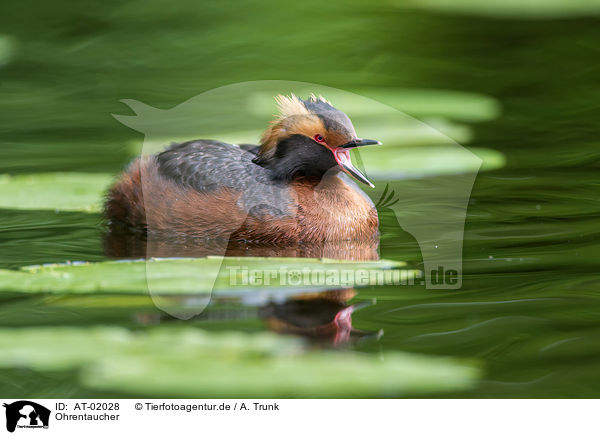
529 306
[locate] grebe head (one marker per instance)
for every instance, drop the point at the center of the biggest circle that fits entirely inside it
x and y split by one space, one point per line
309 138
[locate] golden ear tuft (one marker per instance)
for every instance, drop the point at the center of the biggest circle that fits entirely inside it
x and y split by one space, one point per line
290 106
293 117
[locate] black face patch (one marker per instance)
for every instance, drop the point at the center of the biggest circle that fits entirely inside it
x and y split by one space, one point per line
299 155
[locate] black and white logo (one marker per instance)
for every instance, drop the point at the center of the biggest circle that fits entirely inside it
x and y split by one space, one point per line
25 414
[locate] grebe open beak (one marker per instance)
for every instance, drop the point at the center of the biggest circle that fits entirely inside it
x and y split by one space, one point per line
342 157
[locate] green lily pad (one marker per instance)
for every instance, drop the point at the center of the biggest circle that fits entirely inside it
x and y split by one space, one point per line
7 49
410 132
393 163
415 133
72 191
395 116
177 362
541 9
420 103
195 276
426 104
56 191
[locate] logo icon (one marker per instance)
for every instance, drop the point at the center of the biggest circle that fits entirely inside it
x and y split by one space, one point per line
26 414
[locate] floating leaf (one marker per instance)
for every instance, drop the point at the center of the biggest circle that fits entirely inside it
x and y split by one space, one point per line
7 49
513 9
72 191
177 362
420 103
393 163
240 113
56 191
410 132
195 276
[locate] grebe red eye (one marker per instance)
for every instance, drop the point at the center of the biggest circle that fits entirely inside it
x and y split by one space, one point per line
319 138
